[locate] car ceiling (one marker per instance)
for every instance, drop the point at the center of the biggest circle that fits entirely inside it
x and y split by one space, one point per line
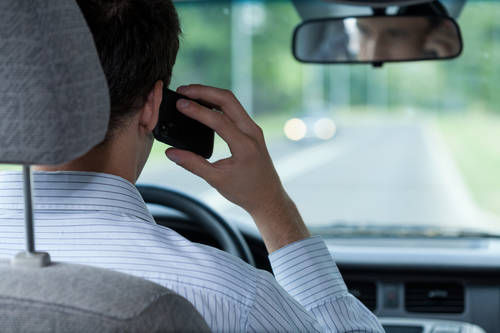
309 9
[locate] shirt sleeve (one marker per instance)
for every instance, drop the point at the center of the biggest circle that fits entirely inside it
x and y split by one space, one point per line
307 294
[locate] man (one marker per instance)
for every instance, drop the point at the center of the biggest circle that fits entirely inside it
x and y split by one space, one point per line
88 211
417 32
406 38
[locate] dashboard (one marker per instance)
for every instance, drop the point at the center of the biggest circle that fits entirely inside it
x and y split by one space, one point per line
413 285
425 279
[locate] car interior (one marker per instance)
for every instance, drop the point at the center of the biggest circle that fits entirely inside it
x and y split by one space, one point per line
382 120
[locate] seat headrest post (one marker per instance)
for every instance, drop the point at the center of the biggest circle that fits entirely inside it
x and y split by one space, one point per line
29 258
28 209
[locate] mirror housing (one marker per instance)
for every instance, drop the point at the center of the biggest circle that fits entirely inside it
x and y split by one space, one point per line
377 39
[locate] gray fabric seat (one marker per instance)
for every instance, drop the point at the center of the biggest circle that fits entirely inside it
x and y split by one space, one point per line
75 298
54 107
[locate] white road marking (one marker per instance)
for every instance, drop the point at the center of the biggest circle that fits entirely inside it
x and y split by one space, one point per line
289 167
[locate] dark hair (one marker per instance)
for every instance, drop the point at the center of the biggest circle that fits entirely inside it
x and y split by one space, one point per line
137 42
435 10
431 8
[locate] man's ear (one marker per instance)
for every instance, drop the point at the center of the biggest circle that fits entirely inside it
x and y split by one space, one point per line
149 113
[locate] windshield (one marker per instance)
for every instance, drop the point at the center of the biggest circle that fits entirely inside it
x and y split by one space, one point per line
409 146
406 145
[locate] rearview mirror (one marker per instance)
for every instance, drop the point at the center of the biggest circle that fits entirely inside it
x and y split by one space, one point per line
377 39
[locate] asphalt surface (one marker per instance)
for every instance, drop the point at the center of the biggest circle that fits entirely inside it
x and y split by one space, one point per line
397 173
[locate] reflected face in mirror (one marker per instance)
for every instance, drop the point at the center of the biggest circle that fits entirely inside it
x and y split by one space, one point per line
404 38
377 39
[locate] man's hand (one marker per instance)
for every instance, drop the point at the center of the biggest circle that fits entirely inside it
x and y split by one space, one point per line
248 177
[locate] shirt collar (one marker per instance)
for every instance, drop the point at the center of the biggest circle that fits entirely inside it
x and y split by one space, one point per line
74 191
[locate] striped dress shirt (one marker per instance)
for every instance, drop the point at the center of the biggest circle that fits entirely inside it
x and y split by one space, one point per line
101 220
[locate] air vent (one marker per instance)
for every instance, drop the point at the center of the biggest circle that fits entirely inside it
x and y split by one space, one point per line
434 297
366 292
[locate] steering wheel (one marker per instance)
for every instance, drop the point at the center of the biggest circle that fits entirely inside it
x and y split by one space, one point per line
230 239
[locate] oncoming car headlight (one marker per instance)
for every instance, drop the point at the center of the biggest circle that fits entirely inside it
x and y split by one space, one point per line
325 128
295 129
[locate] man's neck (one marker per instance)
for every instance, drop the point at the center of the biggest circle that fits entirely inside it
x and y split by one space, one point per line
111 157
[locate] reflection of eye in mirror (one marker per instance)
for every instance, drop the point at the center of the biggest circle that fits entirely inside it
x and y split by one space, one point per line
377 39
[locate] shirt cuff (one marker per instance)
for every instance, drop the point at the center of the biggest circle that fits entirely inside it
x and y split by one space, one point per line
307 271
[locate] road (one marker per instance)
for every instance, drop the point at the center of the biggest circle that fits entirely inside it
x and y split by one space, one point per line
390 173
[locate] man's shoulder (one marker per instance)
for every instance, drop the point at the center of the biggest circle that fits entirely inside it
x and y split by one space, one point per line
133 246
176 262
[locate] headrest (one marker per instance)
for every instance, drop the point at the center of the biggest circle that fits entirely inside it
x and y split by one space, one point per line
54 102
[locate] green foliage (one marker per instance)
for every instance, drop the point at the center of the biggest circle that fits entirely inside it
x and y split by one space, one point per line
473 140
205 54
277 75
468 83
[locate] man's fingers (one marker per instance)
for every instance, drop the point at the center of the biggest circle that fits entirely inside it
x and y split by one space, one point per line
215 120
228 103
192 162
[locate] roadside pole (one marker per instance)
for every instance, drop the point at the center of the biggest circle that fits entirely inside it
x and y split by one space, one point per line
241 54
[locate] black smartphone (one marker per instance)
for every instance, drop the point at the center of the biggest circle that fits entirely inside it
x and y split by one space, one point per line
180 131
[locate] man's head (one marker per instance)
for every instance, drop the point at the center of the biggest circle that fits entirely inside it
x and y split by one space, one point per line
400 38
405 36
137 42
